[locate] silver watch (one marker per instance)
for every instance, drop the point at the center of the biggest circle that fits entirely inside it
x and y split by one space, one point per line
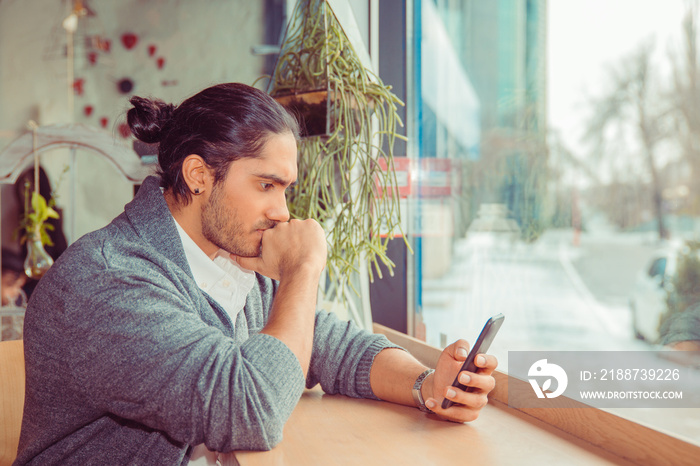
417 396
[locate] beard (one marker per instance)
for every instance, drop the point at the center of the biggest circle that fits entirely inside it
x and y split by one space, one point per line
221 226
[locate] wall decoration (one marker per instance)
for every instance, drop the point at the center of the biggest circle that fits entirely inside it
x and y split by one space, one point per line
129 40
78 86
125 85
85 8
124 130
101 76
99 45
102 44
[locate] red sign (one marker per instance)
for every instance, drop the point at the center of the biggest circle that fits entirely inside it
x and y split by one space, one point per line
435 177
402 171
430 177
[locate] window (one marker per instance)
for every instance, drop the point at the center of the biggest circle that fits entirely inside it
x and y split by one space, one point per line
552 153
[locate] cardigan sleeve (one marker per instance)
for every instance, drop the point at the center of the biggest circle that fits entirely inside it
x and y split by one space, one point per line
342 356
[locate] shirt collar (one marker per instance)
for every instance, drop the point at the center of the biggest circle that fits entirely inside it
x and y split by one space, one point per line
204 270
211 274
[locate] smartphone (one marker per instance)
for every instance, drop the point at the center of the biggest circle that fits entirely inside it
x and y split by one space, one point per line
480 347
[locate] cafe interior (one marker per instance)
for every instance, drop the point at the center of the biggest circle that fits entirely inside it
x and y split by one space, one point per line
447 115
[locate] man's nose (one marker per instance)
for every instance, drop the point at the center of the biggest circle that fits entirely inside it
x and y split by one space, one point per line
279 212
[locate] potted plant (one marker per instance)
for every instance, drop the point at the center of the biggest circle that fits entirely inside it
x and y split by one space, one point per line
35 233
33 223
349 122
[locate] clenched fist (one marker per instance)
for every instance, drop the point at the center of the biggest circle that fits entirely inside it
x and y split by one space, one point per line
288 248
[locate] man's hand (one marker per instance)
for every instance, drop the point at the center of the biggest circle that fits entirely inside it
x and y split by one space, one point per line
467 404
287 248
294 253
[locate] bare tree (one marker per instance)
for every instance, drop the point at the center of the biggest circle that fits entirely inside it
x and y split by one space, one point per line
686 100
632 109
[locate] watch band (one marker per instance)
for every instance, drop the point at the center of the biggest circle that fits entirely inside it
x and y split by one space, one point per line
417 396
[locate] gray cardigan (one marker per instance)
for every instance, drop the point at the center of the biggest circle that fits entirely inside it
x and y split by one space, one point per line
129 362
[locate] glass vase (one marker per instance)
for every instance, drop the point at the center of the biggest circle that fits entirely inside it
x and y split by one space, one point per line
38 260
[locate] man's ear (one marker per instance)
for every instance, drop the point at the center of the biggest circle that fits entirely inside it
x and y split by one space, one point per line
196 174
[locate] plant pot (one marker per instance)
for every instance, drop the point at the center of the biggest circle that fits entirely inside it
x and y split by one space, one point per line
317 112
311 109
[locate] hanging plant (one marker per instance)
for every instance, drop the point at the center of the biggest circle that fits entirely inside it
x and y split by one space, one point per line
349 118
35 233
33 223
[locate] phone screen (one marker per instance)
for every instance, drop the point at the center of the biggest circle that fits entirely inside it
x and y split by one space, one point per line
482 344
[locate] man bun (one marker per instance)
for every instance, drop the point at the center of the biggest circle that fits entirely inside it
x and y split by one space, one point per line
148 118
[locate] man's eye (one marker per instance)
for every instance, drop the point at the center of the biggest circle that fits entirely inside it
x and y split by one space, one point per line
267 186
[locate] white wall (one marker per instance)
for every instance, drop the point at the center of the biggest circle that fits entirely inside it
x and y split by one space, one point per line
202 42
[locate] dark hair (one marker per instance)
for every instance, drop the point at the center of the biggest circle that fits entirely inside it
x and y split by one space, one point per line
11 261
221 124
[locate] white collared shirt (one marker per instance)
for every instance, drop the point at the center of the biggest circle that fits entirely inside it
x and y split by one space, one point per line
221 278
229 285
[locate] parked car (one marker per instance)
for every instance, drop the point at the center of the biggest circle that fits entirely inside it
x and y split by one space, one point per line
649 295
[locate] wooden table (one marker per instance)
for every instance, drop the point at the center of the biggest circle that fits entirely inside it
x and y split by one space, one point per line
336 430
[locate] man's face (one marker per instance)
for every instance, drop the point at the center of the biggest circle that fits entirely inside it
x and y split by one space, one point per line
252 198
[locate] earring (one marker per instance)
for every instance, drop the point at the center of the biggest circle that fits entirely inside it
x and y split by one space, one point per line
196 190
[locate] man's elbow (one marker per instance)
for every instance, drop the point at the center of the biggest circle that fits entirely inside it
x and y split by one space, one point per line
267 437
271 434
263 438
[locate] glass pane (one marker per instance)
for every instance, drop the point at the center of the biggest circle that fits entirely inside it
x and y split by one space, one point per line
558 152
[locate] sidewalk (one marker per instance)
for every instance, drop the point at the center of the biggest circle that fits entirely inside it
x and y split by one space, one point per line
546 303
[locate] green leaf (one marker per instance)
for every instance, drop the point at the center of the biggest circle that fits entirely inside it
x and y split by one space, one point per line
33 222
38 203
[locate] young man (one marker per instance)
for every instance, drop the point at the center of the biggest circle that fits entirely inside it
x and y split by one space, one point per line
189 322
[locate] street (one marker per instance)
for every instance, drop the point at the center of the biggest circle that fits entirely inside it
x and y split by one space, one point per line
556 296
